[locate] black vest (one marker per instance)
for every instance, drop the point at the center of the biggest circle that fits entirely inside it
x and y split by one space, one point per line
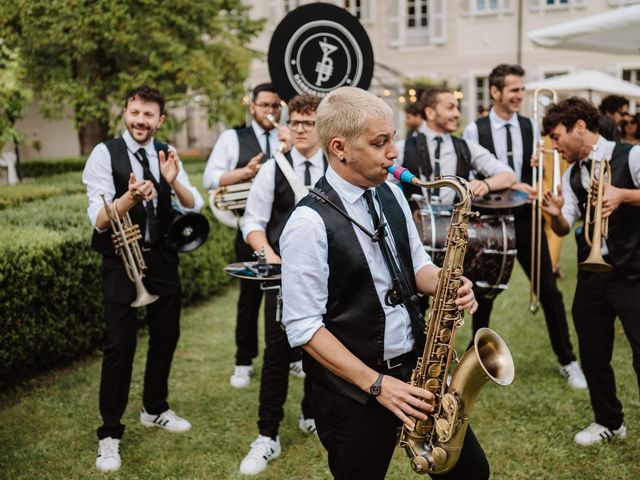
121 169
249 145
623 241
354 313
416 160
485 138
283 204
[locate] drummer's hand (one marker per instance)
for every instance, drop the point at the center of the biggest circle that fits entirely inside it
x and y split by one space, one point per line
552 204
272 257
466 299
526 188
478 188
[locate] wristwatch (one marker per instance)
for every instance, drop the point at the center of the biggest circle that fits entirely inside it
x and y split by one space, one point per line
375 389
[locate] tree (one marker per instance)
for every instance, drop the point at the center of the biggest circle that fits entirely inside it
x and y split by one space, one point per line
13 95
86 54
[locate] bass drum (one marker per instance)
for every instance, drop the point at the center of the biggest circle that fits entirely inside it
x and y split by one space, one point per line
491 248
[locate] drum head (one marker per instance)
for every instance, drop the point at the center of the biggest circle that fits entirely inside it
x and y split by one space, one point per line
317 48
501 199
262 272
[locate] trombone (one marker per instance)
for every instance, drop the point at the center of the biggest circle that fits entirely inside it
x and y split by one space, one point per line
593 219
537 175
125 236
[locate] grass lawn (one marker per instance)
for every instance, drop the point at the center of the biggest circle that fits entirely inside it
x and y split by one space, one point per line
47 427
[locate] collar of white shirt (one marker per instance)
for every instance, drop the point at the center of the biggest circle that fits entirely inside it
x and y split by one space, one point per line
259 131
431 134
498 122
299 159
134 146
605 149
346 191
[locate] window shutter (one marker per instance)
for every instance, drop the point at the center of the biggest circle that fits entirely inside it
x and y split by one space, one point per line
465 8
534 5
438 22
397 22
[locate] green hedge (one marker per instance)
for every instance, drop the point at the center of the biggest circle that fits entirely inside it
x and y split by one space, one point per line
40 188
50 289
47 167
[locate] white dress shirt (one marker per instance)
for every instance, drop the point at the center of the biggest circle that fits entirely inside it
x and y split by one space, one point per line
499 135
482 161
98 176
305 268
260 200
225 153
571 207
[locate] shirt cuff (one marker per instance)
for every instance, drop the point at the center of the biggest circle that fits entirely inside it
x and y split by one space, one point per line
301 331
247 228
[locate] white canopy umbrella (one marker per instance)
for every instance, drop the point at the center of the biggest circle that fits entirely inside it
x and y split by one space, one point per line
589 81
617 31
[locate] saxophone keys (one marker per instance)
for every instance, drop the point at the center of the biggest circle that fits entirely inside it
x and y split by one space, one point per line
435 370
443 430
439 455
432 385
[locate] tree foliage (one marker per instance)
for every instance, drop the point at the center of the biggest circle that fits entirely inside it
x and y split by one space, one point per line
85 54
13 92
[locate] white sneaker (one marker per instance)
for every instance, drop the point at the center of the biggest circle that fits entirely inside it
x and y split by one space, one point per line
263 449
295 369
241 377
595 433
307 425
167 420
108 459
573 373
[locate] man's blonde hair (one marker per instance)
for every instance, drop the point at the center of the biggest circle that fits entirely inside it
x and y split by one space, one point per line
344 112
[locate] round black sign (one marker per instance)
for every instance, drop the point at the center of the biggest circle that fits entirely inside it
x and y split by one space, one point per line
318 48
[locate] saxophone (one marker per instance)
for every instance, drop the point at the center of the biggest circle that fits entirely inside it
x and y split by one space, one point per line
435 444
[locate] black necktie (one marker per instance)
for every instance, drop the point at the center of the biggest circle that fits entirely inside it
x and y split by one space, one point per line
368 196
307 173
509 147
267 149
152 226
436 191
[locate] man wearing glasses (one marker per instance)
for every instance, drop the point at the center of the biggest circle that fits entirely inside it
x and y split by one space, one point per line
235 158
270 202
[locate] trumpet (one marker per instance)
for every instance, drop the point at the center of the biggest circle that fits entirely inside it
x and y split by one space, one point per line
539 100
593 219
125 238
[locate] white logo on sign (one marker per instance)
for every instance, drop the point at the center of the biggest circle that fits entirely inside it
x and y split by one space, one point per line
324 68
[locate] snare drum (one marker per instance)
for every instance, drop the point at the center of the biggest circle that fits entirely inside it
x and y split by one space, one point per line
491 248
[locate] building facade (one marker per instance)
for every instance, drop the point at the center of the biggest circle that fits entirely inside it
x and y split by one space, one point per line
457 41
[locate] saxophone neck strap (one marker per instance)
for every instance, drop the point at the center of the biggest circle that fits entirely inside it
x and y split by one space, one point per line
399 279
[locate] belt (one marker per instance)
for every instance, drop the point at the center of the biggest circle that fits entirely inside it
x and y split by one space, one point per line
400 360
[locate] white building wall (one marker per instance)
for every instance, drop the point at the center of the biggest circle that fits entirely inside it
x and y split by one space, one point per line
467 44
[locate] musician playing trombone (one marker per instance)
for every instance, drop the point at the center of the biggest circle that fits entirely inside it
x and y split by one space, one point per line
139 175
614 289
510 136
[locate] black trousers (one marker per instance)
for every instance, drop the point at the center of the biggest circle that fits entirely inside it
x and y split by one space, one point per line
163 320
248 309
360 439
550 297
599 298
274 381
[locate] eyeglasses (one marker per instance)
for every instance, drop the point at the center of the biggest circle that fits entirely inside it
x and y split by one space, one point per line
264 106
305 124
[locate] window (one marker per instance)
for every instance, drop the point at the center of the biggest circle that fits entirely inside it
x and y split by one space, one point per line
417 22
631 75
622 2
361 9
485 7
483 97
539 5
